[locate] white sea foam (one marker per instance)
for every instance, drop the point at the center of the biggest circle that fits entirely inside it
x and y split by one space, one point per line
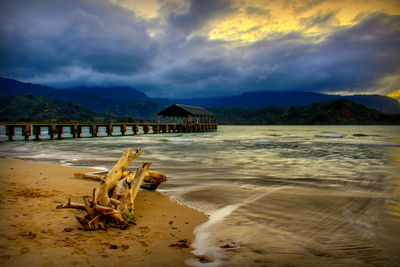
180 140
366 144
44 156
204 243
262 141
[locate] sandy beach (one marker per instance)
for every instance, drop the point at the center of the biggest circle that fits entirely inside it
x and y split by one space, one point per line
33 232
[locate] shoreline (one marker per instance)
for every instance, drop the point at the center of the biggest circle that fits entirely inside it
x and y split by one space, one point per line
34 232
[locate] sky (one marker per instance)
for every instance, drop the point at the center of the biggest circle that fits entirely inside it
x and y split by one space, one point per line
200 48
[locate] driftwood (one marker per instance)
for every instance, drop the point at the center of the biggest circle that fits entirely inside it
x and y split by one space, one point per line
151 181
112 204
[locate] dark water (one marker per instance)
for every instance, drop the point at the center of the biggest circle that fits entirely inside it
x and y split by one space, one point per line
280 195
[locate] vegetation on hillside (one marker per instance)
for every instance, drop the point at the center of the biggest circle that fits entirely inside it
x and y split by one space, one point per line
341 111
39 108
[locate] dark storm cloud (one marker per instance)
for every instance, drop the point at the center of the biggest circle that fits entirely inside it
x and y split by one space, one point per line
258 11
354 59
67 43
199 13
302 6
43 36
321 20
201 69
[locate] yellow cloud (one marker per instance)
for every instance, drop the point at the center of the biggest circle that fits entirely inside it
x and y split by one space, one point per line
395 94
144 8
309 17
258 19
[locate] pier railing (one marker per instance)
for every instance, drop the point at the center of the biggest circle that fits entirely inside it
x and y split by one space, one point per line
56 129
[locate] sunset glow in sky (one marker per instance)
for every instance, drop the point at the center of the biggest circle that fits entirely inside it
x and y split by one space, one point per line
185 48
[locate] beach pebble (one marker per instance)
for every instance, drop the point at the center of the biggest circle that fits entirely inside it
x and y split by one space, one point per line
24 250
68 229
124 247
203 259
183 243
228 246
28 235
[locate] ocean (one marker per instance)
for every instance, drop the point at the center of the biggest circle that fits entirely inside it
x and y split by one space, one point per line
275 195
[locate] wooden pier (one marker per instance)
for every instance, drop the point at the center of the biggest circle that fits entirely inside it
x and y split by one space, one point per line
56 129
174 119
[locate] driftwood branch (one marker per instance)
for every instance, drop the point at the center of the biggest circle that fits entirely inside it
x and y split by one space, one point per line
89 176
71 205
112 204
115 174
151 181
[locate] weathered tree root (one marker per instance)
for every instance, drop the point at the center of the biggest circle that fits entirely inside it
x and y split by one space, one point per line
151 181
112 205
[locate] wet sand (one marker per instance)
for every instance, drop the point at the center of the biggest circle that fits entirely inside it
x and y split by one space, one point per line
33 232
311 227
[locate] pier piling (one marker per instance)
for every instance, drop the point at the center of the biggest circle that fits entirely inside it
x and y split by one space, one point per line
56 129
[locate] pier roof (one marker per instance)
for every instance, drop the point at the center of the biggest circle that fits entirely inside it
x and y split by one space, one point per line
185 110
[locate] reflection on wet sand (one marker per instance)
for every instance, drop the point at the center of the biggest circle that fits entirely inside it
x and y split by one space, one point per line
306 226
391 220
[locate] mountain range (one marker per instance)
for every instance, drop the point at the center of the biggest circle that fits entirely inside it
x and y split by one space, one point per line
40 108
105 99
332 112
121 101
125 103
262 99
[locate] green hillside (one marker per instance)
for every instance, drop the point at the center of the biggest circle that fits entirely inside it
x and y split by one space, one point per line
39 108
341 111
